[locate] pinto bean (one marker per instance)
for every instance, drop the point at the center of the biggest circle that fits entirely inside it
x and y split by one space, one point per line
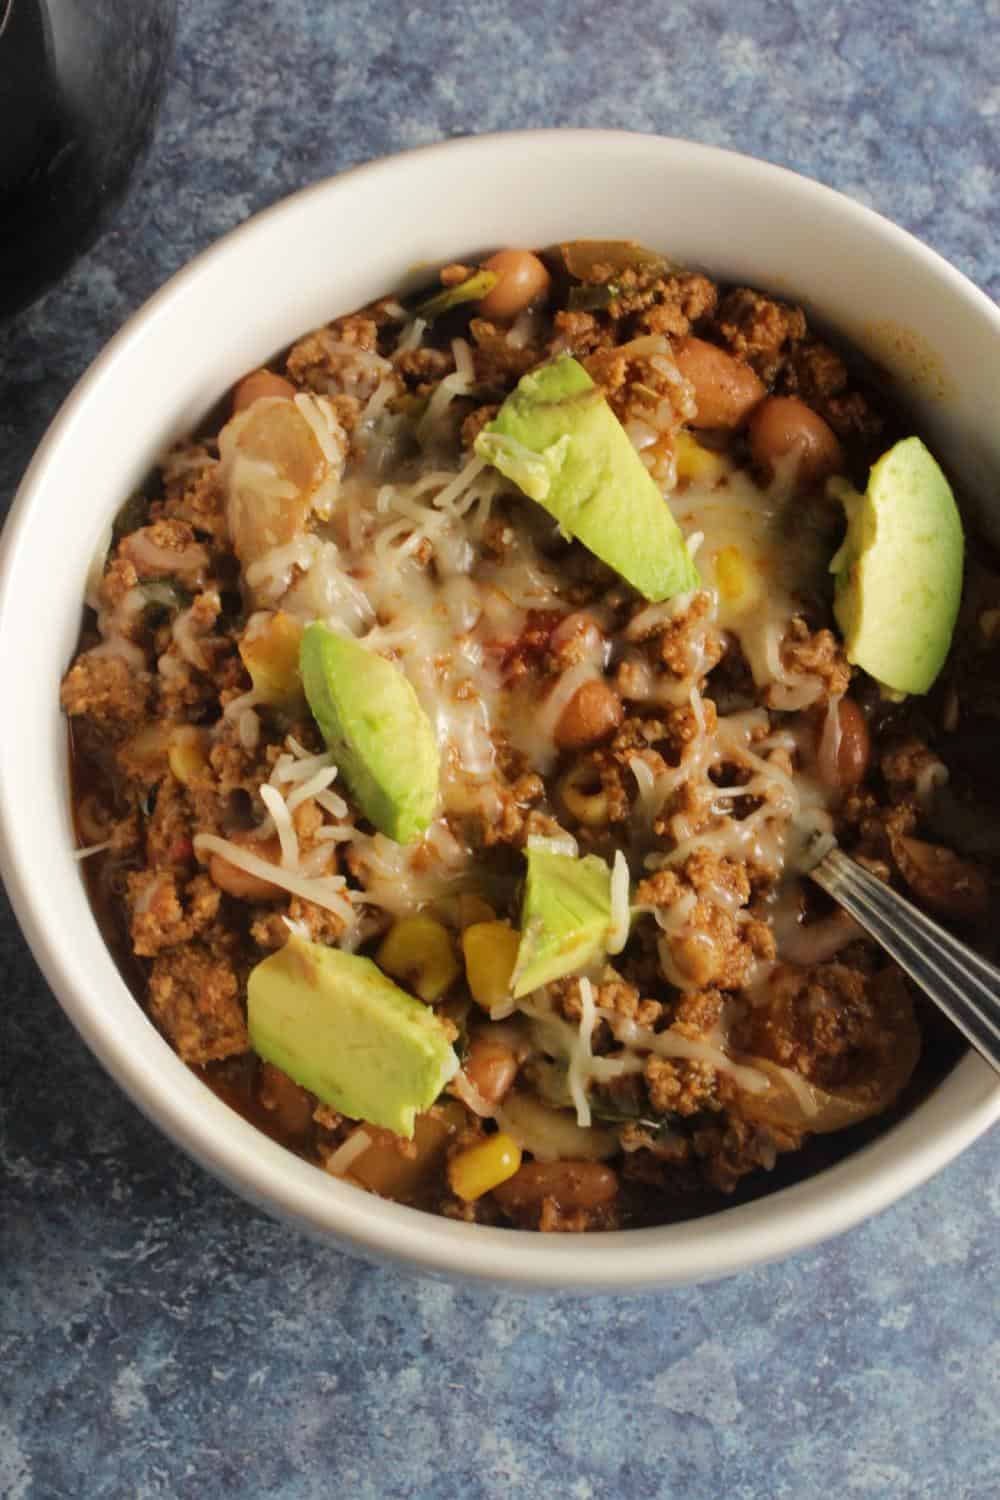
847 768
260 383
781 425
855 744
240 883
594 711
521 280
725 389
491 1068
571 1184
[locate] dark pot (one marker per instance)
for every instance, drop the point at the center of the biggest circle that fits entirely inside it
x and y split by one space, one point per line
80 85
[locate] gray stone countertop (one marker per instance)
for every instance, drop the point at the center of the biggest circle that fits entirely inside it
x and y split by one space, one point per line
160 1338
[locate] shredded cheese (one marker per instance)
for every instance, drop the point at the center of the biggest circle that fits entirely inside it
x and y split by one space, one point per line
89 849
329 892
315 784
582 1058
347 1153
671 1044
285 828
620 916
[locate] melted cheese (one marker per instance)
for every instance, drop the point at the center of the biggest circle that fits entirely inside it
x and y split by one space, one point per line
329 892
401 562
755 559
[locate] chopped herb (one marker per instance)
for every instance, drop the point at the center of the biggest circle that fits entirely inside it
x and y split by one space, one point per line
655 1124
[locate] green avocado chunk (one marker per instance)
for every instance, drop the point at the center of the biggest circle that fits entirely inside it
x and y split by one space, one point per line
559 441
379 735
565 917
899 571
339 1027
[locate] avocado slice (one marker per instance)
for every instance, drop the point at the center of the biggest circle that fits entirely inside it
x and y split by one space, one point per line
565 918
339 1027
380 737
899 571
559 441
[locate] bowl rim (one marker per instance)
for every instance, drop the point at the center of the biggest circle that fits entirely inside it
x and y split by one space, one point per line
719 1244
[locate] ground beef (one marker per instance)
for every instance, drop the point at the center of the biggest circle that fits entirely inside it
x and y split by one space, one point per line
270 930
192 491
580 333
509 823
911 770
818 375
817 653
707 872
421 369
729 1151
170 828
497 361
120 578
684 645
759 330
165 914
643 387
656 303
338 360
824 1023
194 999
612 994
717 949
679 1087
105 690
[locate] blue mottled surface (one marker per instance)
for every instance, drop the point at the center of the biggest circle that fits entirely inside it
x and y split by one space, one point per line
158 1338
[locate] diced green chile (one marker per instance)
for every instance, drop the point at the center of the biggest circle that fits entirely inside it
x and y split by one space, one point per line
472 290
593 296
583 257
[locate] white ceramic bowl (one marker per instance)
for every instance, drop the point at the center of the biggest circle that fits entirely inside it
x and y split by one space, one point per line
323 252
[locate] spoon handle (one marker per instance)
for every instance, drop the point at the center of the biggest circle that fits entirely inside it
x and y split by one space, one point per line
962 984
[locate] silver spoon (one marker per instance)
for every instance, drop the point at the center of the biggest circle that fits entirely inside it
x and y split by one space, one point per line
960 983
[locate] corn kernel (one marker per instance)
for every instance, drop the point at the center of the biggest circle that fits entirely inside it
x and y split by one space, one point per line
490 950
186 755
737 581
482 1168
418 951
270 652
696 464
